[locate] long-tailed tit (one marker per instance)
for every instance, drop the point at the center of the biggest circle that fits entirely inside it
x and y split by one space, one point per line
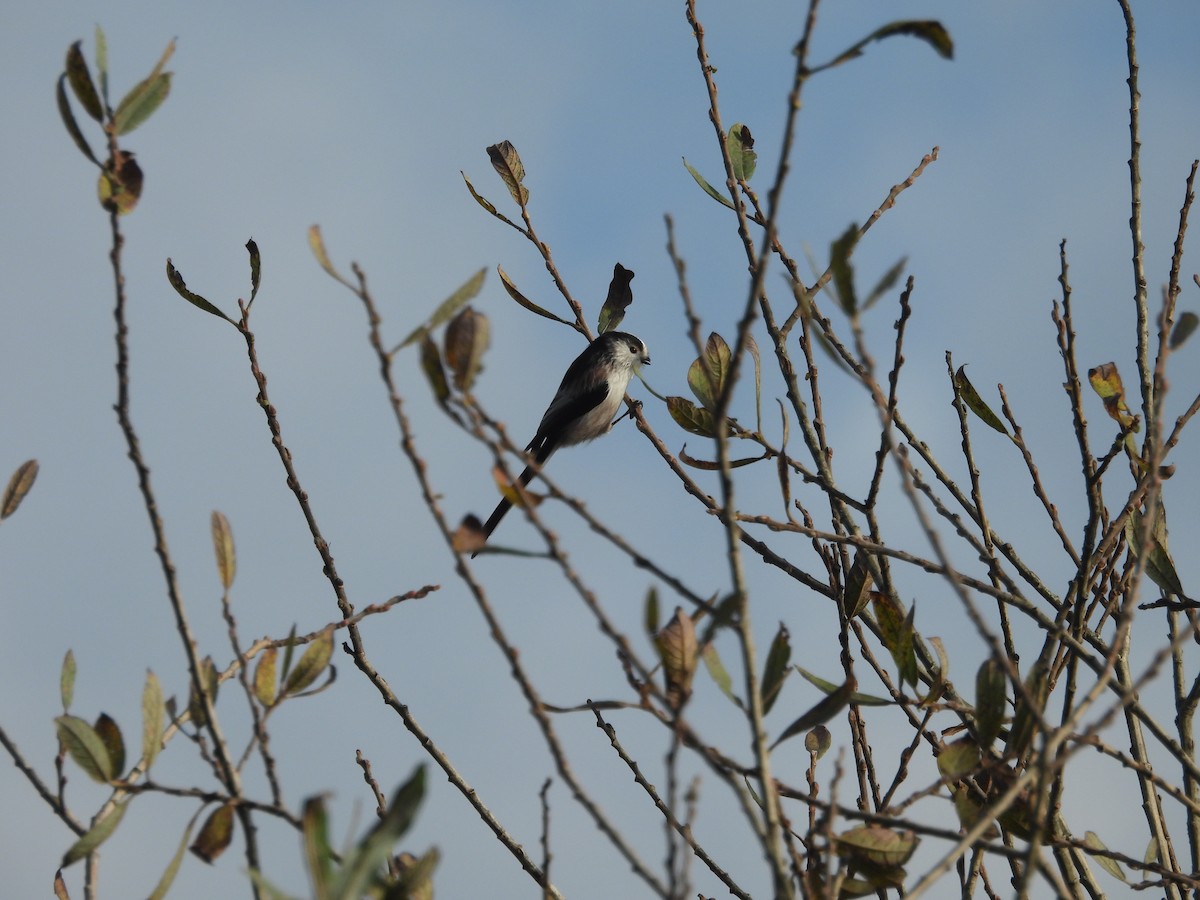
583 409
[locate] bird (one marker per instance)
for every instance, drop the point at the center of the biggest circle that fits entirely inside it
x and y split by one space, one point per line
584 406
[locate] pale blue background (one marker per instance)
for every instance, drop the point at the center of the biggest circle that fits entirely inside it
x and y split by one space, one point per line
359 117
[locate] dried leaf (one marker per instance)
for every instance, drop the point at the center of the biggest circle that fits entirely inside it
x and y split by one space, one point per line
208 677
120 184
110 735
466 340
255 268
507 163
620 295
215 834
858 585
222 535
677 648
18 486
1106 381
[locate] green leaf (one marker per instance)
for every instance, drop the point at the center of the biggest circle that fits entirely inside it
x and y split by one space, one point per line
708 188
650 617
1027 714
85 747
975 403
1183 329
81 82
1110 865
886 283
752 348
102 62
435 373
525 301
824 710
318 854
874 846
818 741
314 661
776 669
316 243
154 712
829 687
1159 565
68 119
507 163
96 835
18 486
447 308
709 373
896 630
264 677
222 536
145 97
930 31
360 866
215 835
740 145
990 695
466 340
255 268
1106 382
110 734
197 710
691 418
840 252
140 103
168 875
66 680
858 585
718 673
617 301
958 759
181 288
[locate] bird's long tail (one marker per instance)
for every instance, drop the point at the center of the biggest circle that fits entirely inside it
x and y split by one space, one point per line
503 507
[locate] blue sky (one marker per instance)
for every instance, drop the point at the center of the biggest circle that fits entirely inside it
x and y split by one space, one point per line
359 118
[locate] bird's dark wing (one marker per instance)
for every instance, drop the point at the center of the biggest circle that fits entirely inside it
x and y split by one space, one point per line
562 412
